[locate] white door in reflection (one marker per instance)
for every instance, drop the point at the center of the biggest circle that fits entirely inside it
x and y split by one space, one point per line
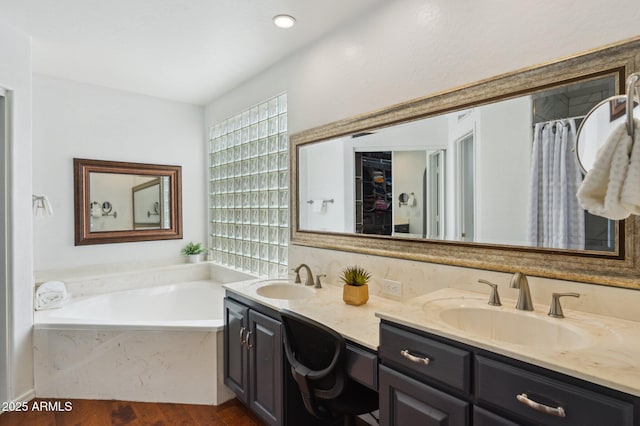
435 194
465 187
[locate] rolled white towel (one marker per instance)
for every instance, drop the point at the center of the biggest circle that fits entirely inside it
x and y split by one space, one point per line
50 295
630 196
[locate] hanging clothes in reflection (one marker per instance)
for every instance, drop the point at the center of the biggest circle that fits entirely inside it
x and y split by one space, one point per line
556 220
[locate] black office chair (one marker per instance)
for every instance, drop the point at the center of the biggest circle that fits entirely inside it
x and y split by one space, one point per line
317 355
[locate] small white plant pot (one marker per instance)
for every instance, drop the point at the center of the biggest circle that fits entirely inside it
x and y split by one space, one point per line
193 258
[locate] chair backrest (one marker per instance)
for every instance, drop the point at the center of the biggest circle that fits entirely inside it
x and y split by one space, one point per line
317 357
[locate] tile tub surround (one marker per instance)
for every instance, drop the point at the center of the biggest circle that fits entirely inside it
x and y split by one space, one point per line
613 361
97 279
151 366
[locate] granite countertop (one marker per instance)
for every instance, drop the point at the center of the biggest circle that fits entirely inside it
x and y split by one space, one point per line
598 349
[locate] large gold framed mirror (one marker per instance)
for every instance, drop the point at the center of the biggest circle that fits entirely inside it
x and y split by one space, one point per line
458 178
123 202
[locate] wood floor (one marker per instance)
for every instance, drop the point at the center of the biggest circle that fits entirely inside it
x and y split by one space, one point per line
120 413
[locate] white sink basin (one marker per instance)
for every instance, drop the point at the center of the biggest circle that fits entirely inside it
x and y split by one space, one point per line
516 327
284 290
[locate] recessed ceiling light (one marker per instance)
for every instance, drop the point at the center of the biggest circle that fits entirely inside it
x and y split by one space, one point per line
284 21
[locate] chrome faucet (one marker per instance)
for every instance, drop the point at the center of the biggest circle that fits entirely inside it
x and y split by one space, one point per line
309 280
519 281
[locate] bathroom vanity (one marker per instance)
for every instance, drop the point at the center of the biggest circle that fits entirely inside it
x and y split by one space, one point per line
431 366
426 379
256 368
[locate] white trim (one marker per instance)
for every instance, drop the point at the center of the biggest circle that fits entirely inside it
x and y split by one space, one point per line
5 292
25 397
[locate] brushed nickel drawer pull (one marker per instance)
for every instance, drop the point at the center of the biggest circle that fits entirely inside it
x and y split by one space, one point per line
242 341
417 359
558 412
246 340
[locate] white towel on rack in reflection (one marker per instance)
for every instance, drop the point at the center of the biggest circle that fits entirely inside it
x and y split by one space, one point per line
630 197
317 206
600 192
96 210
51 294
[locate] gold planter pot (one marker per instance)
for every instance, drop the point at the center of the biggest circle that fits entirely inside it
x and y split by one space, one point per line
355 295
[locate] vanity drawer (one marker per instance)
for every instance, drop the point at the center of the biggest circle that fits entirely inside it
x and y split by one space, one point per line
405 401
498 385
362 365
409 351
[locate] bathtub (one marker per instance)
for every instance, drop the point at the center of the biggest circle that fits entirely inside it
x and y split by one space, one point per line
159 344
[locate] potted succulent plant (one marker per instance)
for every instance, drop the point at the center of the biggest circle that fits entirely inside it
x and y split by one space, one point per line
355 290
193 252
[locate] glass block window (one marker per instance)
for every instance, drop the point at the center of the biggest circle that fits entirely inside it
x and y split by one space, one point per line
249 190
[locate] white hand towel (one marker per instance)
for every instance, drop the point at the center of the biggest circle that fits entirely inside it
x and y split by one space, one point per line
96 209
51 294
317 206
601 188
630 197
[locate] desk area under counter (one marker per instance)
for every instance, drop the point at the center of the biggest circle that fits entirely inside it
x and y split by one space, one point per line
459 384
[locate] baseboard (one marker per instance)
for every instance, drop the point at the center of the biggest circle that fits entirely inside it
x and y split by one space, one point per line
25 397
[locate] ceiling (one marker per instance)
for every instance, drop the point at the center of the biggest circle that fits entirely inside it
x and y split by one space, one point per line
184 50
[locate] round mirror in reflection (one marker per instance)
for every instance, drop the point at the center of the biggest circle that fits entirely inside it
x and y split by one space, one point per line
598 124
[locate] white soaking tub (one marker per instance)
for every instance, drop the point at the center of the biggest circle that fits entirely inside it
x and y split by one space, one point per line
152 344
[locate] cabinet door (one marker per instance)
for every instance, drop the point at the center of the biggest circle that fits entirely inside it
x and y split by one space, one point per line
483 417
236 362
265 367
405 401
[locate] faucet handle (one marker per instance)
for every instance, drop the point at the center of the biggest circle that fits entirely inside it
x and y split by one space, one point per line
297 279
494 297
318 283
555 310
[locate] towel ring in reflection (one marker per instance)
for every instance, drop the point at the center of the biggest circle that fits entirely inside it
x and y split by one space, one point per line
630 100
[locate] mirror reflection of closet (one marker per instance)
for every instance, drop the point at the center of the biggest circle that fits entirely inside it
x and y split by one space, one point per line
374 193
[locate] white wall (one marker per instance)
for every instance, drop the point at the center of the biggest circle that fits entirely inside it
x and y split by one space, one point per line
322 177
15 75
412 48
79 120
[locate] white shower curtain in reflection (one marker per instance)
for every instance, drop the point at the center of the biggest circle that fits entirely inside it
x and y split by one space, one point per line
556 220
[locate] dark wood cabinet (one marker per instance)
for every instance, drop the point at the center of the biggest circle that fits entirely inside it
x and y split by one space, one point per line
543 400
236 364
431 380
253 360
257 370
264 341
